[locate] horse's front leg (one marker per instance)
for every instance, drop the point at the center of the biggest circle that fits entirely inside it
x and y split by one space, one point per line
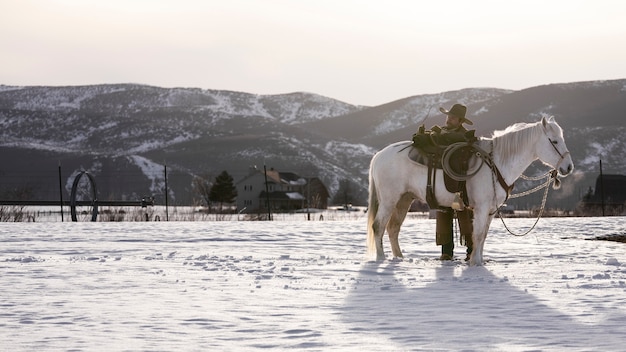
482 220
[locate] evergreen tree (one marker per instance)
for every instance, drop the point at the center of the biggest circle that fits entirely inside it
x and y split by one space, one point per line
223 189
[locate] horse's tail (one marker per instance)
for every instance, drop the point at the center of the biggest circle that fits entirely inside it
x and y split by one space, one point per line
372 210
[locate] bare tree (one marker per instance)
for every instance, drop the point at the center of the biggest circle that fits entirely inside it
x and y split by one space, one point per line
202 186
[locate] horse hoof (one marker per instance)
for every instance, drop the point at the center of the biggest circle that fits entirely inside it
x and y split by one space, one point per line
475 263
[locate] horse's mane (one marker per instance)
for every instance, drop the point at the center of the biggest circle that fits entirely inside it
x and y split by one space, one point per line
508 141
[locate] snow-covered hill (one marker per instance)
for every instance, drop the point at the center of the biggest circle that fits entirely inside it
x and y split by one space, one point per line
124 127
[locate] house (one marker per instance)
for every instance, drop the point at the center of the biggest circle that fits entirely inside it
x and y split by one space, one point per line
285 191
609 193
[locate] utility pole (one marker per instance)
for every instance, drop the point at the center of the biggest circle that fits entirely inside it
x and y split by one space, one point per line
61 190
602 187
267 194
308 198
167 214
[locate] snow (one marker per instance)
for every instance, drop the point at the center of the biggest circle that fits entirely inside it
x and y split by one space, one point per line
238 285
5 88
351 149
299 182
596 150
238 104
294 196
152 170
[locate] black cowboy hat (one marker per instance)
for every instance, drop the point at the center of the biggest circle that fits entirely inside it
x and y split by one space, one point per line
458 110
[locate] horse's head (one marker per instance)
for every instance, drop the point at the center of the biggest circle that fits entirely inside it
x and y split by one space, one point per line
552 149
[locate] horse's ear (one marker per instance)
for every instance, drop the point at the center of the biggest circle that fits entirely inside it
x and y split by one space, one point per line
544 122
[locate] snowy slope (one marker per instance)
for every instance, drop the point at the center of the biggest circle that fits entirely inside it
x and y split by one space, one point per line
199 131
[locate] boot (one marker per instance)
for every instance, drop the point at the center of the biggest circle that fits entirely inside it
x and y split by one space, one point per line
447 251
444 233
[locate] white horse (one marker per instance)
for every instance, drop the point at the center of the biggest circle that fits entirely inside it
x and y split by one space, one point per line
396 180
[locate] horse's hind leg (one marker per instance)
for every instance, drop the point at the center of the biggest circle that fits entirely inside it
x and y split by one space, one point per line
378 217
378 229
396 220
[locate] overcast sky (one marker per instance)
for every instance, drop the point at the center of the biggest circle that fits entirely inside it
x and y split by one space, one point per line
359 51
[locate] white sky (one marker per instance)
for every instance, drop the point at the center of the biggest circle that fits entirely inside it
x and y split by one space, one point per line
358 51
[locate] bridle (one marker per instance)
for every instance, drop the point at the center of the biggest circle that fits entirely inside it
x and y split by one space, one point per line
553 143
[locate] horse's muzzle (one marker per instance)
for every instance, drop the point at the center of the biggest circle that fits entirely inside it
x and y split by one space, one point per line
564 171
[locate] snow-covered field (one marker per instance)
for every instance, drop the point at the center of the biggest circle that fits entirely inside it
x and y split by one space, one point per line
235 285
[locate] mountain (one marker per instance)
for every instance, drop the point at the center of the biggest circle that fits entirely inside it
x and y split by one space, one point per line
125 134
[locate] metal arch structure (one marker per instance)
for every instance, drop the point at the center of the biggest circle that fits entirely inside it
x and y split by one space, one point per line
94 202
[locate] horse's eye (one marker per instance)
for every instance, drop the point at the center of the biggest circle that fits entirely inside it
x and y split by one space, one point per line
555 142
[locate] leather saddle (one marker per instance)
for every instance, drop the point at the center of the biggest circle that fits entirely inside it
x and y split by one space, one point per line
428 149
459 162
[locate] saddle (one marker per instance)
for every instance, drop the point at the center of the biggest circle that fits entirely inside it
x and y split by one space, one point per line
428 149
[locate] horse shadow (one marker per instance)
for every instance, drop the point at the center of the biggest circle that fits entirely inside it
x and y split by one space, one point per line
472 311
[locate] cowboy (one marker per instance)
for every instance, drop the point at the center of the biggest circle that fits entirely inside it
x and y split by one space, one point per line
455 118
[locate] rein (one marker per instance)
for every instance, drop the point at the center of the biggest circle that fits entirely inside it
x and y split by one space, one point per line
551 176
487 158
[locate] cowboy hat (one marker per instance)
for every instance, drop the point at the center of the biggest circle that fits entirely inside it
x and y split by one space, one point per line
457 110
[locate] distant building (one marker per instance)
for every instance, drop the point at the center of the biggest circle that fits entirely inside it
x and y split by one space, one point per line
286 191
610 192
